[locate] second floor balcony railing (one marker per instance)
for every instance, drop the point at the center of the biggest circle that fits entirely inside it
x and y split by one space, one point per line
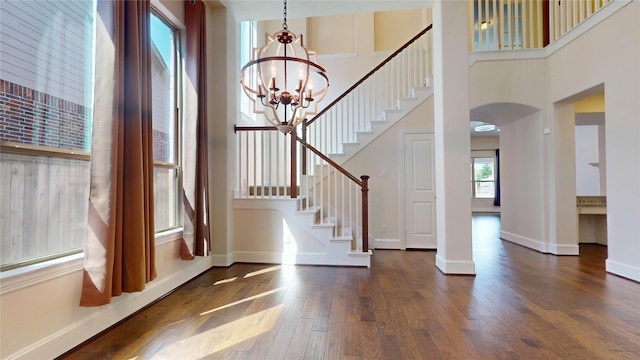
496 25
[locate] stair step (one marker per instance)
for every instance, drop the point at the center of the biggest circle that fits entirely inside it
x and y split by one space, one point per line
309 210
323 226
357 253
343 238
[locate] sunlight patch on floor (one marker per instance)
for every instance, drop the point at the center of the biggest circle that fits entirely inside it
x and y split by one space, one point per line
263 271
223 337
250 298
224 281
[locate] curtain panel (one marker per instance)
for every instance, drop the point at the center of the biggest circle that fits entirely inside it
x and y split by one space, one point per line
194 155
119 251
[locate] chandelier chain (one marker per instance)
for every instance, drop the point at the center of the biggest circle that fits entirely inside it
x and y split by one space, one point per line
284 12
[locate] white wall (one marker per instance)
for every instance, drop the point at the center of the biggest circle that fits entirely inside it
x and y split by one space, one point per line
522 182
552 82
587 153
385 194
581 65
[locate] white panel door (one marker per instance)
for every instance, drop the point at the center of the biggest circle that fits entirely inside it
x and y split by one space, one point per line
419 191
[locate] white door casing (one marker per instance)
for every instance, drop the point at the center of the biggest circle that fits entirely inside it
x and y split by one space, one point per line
418 183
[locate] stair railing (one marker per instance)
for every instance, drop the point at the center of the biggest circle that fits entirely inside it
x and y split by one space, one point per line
268 168
267 163
340 198
380 89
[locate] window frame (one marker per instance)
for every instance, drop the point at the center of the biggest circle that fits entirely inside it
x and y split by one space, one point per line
474 181
247 46
26 273
177 125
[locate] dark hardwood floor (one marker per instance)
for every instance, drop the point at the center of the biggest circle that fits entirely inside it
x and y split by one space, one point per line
521 305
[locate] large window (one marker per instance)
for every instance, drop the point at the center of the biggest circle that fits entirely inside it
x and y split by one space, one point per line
483 170
165 124
46 97
46 87
248 41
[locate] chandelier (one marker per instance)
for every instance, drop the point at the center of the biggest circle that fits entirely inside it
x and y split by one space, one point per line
283 80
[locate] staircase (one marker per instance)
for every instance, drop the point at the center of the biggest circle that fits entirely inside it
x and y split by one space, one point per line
377 101
375 128
325 221
308 239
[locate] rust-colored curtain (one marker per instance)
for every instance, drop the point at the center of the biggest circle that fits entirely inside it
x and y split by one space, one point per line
119 252
194 156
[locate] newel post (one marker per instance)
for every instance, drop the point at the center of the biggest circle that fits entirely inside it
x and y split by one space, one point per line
365 212
294 162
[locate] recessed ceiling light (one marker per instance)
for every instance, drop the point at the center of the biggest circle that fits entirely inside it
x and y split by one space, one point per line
484 128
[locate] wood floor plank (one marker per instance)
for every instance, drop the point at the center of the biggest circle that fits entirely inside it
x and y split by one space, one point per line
280 344
335 341
298 345
521 305
316 345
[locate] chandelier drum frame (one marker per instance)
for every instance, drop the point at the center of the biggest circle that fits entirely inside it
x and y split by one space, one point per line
280 57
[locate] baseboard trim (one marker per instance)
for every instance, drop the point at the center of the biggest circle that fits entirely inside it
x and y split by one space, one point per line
222 260
259 257
121 307
347 259
564 249
621 269
524 241
388 244
545 248
455 267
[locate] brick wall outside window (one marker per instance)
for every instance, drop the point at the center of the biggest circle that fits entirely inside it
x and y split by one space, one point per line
32 117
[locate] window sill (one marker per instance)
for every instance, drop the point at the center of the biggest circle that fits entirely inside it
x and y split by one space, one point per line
26 276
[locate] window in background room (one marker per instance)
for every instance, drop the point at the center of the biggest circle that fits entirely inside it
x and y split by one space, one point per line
166 94
46 87
483 170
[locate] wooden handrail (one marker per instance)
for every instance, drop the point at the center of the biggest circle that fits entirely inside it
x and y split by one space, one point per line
363 182
237 128
383 63
331 162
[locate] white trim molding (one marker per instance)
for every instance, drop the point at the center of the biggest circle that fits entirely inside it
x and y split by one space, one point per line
455 267
593 20
19 278
122 306
624 270
530 243
388 244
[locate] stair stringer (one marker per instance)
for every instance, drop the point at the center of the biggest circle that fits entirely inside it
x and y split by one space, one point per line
315 241
378 127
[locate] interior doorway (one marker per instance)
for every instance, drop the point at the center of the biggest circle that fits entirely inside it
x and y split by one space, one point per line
590 150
